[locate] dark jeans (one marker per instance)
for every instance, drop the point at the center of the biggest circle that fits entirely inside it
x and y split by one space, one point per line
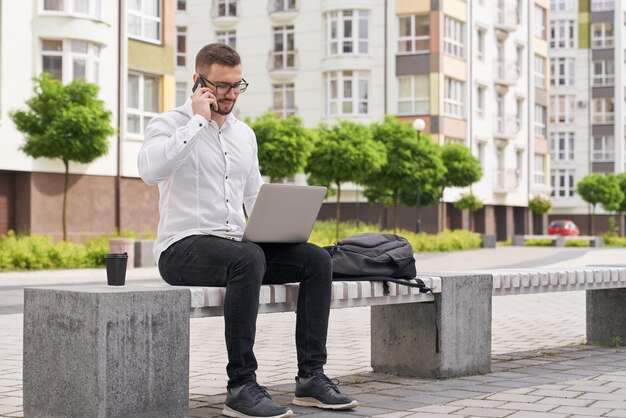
203 260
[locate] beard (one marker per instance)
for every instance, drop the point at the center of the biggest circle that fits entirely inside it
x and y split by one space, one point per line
224 107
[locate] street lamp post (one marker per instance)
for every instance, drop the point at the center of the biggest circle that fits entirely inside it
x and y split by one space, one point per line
418 125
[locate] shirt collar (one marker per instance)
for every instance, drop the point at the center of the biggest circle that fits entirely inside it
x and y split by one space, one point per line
230 118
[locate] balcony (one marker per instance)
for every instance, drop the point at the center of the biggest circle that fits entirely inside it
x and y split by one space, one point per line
224 14
506 73
505 181
506 127
282 12
507 18
282 65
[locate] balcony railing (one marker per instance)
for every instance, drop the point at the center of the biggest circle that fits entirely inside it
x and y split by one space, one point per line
507 16
282 60
506 72
224 9
505 181
506 127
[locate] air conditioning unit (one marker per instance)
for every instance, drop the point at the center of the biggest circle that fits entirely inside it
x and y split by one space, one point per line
581 104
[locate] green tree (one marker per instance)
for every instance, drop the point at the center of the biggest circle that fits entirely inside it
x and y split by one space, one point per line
602 189
284 145
344 152
68 122
539 205
469 202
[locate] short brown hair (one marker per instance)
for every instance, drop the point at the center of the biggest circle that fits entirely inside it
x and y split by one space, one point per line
217 53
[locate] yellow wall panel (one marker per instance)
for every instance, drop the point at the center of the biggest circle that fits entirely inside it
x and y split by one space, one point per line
169 92
412 6
455 68
157 59
436 86
456 9
540 47
543 3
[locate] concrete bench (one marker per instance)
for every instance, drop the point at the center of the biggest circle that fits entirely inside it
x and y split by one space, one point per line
520 240
594 241
124 351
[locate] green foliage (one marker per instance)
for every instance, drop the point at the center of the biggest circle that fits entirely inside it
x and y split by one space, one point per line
468 201
463 169
602 189
284 145
539 204
621 181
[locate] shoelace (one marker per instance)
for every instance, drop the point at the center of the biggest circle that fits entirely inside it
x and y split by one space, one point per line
258 391
328 382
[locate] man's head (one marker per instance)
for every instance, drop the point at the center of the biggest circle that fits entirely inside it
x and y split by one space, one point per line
220 66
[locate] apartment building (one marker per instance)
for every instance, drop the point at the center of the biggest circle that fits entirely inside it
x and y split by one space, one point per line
586 99
127 48
476 72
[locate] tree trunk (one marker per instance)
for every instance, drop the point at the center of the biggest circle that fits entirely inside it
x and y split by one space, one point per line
65 187
471 220
593 219
338 211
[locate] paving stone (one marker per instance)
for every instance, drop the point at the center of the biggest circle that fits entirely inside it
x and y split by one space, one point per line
514 397
617 413
589 411
438 409
529 414
483 412
523 406
556 393
566 401
479 403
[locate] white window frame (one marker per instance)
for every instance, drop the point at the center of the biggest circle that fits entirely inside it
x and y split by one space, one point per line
417 44
540 71
562 108
284 5
68 56
181 5
227 37
68 8
337 42
454 97
226 8
562 34
562 182
562 146
603 110
561 5
539 172
603 73
143 18
561 72
140 110
181 56
540 22
481 92
540 121
287 94
418 101
480 43
603 148
352 90
284 58
602 35
602 5
182 93
454 37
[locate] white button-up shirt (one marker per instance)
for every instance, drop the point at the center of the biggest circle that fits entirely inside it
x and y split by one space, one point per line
205 174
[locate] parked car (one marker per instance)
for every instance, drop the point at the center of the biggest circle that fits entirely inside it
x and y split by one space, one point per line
563 227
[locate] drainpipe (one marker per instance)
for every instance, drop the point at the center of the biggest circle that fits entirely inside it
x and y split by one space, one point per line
385 62
120 59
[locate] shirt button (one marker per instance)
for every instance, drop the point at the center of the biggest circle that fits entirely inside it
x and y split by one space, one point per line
184 142
226 177
200 125
226 200
225 153
226 222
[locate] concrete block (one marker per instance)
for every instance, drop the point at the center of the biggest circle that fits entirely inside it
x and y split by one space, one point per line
489 241
101 351
518 240
597 242
606 316
143 253
403 336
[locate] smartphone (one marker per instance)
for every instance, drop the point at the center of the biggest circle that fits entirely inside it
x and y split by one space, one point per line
199 82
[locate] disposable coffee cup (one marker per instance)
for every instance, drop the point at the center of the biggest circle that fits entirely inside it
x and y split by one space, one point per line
116 268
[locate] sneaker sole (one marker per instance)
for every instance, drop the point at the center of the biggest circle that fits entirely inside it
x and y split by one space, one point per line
319 404
229 412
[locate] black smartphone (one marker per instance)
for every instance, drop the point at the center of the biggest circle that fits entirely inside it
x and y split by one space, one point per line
199 82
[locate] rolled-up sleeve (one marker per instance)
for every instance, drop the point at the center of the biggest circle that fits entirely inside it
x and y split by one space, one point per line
254 180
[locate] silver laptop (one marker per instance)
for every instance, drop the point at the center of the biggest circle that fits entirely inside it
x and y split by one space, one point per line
282 213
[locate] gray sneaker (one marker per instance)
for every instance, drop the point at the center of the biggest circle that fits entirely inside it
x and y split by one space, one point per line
321 392
252 401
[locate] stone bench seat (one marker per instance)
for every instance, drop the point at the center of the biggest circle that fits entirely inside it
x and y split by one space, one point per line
557 240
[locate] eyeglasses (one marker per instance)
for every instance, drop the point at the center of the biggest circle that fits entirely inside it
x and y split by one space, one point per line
224 88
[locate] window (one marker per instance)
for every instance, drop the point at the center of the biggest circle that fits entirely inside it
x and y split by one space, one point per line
91 8
562 5
602 35
519 113
226 8
562 34
480 101
284 103
181 4
603 73
414 34
562 146
540 72
347 32
144 20
181 46
519 59
413 95
453 101
539 174
562 182
562 108
284 5
562 71
480 145
67 60
283 54
540 22
480 44
347 92
181 93
603 110
602 5
226 37
143 99
603 148
540 121
454 37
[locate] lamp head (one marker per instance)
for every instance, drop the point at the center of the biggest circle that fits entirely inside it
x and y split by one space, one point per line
419 125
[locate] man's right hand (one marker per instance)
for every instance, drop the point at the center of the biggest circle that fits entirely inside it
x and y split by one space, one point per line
202 102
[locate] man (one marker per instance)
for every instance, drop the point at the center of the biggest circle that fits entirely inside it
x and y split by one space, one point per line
205 163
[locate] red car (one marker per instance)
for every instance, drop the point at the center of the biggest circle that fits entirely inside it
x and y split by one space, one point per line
563 228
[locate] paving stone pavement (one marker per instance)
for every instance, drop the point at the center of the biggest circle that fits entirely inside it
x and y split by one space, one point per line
541 366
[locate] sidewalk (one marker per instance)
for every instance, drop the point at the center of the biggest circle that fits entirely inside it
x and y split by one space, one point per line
551 373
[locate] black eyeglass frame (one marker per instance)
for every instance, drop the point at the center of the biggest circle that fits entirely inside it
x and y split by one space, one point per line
242 85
